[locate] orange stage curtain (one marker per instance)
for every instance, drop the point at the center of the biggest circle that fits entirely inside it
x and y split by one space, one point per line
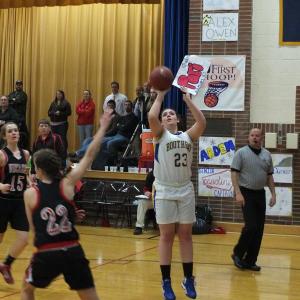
75 48
30 3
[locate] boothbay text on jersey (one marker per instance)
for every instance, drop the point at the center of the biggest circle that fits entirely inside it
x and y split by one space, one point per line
178 145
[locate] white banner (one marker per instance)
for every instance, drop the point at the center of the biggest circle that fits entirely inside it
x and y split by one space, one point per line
214 183
224 87
220 27
283 206
283 168
192 73
216 150
220 4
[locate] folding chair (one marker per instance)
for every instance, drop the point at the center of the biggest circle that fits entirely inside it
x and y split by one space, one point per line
88 197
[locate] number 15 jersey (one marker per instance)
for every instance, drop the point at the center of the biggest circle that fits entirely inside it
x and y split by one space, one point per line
173 159
14 173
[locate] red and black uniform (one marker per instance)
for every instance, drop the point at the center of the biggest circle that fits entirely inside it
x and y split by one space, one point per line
56 239
52 141
12 207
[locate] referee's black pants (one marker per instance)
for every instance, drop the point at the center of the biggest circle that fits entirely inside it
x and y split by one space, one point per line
254 212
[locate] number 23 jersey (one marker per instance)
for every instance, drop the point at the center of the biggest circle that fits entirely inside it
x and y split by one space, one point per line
173 157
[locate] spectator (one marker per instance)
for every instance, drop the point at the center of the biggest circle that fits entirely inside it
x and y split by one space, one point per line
117 97
146 90
59 111
48 140
7 113
18 101
138 104
111 130
85 111
112 144
144 204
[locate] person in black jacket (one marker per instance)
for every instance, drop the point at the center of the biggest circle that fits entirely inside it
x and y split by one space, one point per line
59 111
18 101
113 143
48 140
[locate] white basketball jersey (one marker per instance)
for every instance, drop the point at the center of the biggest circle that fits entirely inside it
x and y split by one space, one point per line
173 159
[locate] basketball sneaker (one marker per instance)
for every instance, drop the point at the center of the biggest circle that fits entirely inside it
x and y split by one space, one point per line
5 270
188 284
167 290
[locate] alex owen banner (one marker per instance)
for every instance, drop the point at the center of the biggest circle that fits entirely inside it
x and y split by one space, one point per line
214 182
216 150
224 87
219 27
220 4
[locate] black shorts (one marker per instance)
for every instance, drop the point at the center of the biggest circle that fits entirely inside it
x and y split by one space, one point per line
13 211
45 266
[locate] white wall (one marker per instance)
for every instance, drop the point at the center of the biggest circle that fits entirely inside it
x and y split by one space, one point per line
275 69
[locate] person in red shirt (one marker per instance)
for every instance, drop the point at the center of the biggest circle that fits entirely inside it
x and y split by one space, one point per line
85 111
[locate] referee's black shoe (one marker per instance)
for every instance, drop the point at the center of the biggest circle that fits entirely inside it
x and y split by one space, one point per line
238 262
253 267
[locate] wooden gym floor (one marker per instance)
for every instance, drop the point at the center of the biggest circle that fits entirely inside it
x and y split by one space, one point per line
126 267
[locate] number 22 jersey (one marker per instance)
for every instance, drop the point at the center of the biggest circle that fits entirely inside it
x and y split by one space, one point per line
173 157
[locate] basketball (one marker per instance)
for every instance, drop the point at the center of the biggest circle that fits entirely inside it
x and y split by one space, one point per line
161 78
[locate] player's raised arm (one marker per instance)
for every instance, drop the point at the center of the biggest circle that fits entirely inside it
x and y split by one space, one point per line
92 150
153 115
200 122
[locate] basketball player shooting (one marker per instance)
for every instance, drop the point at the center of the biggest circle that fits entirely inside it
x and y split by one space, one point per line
174 191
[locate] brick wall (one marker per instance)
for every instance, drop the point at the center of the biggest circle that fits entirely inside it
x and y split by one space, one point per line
224 209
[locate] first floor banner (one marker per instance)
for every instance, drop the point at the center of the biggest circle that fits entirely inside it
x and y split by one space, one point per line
224 87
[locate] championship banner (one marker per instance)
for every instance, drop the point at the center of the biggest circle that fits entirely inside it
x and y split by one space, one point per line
214 183
224 87
216 150
192 73
220 4
283 168
220 27
283 206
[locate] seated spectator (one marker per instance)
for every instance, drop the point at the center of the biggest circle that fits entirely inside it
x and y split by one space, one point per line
144 204
117 97
111 130
85 111
48 140
112 144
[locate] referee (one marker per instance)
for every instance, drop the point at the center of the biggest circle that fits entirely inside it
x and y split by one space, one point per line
251 170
